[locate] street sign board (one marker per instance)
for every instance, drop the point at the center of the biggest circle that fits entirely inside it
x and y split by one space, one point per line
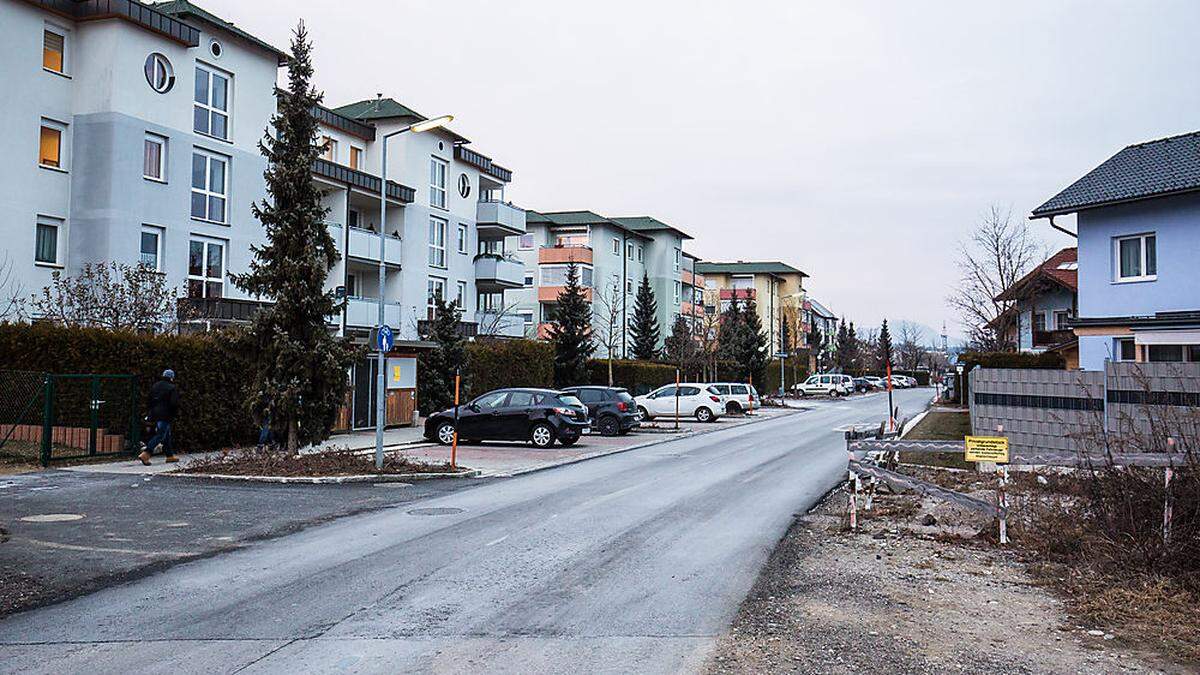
781 355
383 339
987 449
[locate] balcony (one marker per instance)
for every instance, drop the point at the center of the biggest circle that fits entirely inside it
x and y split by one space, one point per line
364 245
467 329
548 255
543 331
500 324
217 310
494 272
739 293
688 277
499 219
550 293
362 180
364 312
1049 338
691 309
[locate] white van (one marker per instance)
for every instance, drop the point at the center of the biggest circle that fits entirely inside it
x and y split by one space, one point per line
832 384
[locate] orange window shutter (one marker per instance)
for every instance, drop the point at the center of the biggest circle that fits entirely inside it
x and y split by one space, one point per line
51 146
52 51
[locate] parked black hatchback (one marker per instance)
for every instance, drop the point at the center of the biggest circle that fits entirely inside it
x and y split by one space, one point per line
611 409
540 416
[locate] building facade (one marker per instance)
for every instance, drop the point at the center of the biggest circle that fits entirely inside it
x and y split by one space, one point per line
776 289
1043 306
134 140
1138 230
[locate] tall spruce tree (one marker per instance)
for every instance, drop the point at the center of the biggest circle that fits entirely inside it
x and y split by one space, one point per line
730 333
644 329
680 346
841 350
300 379
435 370
571 332
752 357
885 346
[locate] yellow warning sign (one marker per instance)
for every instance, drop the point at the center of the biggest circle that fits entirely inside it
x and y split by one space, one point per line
987 449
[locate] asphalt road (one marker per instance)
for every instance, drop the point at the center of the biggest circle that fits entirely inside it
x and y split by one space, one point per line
634 562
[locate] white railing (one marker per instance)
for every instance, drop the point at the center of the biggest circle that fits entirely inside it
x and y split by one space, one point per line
502 214
365 312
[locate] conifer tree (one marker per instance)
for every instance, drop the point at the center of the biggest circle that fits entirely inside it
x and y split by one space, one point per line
435 370
571 332
752 356
644 328
680 346
300 378
885 346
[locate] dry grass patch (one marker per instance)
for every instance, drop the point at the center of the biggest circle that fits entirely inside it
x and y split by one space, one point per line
335 462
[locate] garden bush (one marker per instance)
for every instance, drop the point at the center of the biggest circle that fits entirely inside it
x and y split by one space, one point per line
638 377
496 364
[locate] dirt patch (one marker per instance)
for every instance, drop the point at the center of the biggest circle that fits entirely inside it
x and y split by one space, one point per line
919 588
336 462
939 425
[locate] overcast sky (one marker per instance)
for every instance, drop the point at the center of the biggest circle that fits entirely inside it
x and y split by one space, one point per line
857 141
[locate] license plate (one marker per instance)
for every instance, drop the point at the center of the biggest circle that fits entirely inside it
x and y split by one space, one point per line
585 430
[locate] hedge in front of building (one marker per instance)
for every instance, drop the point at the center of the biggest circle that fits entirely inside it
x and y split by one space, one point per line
1042 361
639 377
211 374
496 364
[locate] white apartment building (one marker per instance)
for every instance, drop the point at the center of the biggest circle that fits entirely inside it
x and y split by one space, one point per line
131 136
612 255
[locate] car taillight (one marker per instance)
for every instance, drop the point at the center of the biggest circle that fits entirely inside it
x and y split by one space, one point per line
622 406
715 399
564 411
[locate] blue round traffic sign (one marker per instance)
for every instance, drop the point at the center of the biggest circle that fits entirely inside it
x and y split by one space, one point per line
384 338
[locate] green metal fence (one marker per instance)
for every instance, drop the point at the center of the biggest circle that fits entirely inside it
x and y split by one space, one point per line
56 417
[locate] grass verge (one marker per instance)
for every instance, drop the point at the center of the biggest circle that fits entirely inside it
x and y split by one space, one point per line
940 425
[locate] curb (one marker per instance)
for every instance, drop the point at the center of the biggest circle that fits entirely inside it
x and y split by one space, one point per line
638 446
328 480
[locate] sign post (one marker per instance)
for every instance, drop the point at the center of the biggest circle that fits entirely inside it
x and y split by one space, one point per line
993 449
454 445
676 399
382 339
891 410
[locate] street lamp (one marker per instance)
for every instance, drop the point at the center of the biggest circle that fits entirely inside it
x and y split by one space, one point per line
381 380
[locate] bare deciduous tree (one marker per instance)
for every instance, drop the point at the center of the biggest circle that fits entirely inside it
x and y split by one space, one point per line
707 328
910 353
110 295
607 328
495 321
12 300
998 252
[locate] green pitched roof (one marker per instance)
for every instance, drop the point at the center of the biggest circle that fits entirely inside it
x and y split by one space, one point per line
740 267
649 224
184 9
386 108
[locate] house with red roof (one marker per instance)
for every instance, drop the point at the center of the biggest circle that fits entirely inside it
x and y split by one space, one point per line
1043 303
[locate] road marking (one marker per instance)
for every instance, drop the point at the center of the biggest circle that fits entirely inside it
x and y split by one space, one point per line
52 517
613 495
496 541
101 549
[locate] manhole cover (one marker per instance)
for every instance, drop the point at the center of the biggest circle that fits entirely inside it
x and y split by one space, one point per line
52 517
438 511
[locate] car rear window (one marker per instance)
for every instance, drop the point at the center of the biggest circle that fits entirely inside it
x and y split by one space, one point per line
712 390
569 399
624 396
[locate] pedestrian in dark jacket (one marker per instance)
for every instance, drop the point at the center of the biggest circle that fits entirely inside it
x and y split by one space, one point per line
164 405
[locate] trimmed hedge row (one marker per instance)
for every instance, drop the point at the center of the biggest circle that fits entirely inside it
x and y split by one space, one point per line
212 376
1042 361
495 364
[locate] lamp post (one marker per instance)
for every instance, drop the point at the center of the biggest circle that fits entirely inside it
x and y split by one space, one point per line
381 379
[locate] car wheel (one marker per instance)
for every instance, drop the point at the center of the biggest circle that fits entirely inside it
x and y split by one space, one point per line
704 414
542 436
834 393
568 441
733 408
644 413
445 433
608 426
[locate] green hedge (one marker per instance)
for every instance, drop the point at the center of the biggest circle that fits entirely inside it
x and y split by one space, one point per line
212 376
1043 361
495 364
639 377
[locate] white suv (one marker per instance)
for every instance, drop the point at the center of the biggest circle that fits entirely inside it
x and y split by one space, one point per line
833 384
737 397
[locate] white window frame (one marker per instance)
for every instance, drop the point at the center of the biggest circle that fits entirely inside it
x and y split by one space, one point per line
1141 239
65 34
438 170
526 242
437 242
460 290
616 247
331 148
678 254
58 224
158 233
204 277
529 279
463 238
161 141
629 250
207 106
361 153
208 189
678 293
64 144
433 287
639 253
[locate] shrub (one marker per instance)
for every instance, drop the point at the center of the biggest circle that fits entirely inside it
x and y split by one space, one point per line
211 374
1044 360
496 364
638 377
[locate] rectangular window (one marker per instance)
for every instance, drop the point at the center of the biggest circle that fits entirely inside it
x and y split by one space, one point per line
1166 353
210 114
556 275
154 158
330 152
437 242
206 269
356 158
572 237
1039 322
526 318
53 51
528 279
437 182
1137 258
151 249
209 186
639 251
629 285
1061 318
616 246
46 243
526 242
1127 351
677 254
629 250
677 292
435 290
50 145
489 302
460 295
462 238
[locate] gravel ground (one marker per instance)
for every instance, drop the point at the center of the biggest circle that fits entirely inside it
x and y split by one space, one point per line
899 597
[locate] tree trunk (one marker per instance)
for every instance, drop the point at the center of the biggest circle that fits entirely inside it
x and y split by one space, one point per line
610 381
293 435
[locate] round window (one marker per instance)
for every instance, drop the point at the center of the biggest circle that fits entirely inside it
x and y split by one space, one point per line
440 146
215 49
159 73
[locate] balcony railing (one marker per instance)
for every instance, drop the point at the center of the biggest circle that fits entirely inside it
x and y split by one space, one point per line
341 122
136 12
220 310
564 254
464 328
551 293
362 180
497 272
499 219
364 312
739 293
1049 338
364 245
482 162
